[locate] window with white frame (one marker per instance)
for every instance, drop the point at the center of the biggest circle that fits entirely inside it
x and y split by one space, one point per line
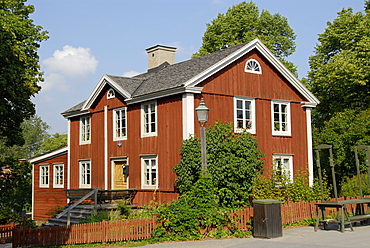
85 174
119 124
44 176
280 118
149 172
85 130
58 176
149 119
244 114
252 66
283 166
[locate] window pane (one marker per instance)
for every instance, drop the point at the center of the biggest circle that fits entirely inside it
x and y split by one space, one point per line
239 104
247 105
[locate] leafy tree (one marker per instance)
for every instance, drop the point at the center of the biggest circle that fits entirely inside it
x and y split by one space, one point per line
15 191
233 159
53 142
34 132
340 69
344 131
19 68
243 23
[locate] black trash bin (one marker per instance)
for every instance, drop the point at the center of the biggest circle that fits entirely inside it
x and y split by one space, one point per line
267 219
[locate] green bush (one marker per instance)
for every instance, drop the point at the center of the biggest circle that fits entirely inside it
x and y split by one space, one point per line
233 159
123 209
350 186
280 187
194 215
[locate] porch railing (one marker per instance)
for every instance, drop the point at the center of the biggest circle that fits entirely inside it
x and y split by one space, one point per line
68 210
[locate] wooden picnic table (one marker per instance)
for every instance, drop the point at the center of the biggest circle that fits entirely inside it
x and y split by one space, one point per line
343 217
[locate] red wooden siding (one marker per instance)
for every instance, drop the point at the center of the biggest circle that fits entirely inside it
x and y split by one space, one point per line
47 200
233 81
220 89
165 145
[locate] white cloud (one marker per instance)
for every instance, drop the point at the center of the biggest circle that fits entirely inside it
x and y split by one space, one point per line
71 62
130 73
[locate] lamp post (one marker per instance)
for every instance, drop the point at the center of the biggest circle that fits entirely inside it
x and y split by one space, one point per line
202 115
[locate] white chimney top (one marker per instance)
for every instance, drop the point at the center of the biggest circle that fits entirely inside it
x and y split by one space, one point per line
159 54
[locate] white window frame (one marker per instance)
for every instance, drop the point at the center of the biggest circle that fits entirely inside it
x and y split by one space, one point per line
117 128
253 66
44 175
280 122
111 94
148 181
58 175
85 130
252 110
287 168
147 123
85 176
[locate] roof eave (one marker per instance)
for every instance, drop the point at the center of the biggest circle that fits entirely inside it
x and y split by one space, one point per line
164 93
49 155
75 113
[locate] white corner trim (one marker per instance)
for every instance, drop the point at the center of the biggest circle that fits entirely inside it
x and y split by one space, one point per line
309 146
33 192
69 157
187 115
106 147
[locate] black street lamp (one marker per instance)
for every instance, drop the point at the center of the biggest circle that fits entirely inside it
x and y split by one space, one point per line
202 115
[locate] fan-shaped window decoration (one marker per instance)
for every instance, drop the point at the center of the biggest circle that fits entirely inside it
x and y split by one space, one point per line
253 66
111 94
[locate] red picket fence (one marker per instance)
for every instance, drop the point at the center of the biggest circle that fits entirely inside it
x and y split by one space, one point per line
101 232
137 229
6 233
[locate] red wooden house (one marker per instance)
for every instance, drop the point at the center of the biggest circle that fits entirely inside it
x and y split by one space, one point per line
140 122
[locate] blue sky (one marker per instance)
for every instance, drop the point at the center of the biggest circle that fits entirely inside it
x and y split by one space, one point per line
89 38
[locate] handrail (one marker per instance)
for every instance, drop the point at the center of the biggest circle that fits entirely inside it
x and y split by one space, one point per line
67 210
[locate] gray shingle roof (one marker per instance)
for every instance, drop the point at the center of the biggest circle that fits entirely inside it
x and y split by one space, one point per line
165 76
129 84
75 108
176 75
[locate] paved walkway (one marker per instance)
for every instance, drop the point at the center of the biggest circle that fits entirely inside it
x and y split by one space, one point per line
294 237
304 237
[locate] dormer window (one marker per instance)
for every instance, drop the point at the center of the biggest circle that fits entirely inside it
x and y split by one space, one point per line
252 66
111 94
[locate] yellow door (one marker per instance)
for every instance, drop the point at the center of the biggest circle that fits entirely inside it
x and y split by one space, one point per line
119 179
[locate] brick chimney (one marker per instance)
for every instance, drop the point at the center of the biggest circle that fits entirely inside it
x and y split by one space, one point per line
159 54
